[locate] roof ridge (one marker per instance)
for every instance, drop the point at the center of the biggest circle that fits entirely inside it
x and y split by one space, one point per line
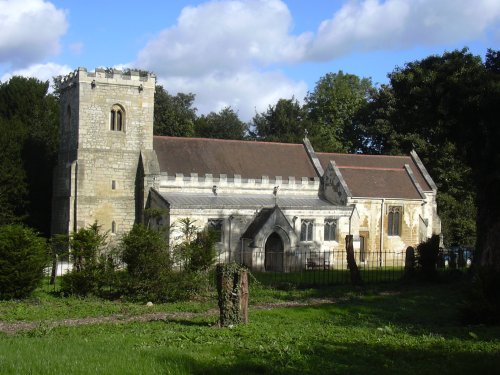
363 155
226 140
370 168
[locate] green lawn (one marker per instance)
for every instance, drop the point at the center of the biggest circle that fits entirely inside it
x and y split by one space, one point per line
382 329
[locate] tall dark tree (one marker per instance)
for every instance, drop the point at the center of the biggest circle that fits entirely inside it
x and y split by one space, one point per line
13 187
174 115
223 125
286 121
481 143
428 106
26 104
334 107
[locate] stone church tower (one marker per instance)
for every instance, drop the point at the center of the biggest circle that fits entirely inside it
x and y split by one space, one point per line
106 130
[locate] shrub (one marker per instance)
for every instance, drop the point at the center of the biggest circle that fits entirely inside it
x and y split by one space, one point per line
427 257
200 254
90 263
23 256
146 254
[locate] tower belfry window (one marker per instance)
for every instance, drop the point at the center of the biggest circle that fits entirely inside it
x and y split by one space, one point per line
117 118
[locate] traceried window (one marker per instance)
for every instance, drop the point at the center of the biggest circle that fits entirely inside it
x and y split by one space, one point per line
215 227
117 118
330 230
306 230
394 221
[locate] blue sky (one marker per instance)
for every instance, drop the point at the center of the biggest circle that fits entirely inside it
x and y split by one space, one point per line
243 53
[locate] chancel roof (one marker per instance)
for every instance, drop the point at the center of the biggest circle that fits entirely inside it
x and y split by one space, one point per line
375 163
378 176
248 159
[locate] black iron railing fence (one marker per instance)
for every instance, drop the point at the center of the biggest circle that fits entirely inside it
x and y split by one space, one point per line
325 268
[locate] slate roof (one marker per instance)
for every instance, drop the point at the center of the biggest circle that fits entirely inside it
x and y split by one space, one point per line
376 163
377 176
193 200
257 223
249 159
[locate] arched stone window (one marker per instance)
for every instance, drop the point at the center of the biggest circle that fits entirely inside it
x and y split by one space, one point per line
394 221
306 230
117 118
330 230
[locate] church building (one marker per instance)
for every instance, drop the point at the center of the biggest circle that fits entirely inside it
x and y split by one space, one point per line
269 203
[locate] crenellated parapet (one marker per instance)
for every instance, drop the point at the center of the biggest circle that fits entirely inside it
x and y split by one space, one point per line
103 76
223 182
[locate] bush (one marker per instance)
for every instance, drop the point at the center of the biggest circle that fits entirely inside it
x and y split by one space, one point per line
427 257
198 255
23 256
90 263
146 254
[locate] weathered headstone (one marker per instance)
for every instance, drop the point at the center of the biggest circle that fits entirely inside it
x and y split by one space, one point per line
409 262
351 261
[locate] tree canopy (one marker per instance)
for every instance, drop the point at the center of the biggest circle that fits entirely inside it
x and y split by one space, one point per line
334 108
224 124
29 120
285 121
174 115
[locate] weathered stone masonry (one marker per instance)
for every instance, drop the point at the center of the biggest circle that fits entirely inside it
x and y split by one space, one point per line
95 178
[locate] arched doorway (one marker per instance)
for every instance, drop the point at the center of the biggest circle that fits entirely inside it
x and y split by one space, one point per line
274 253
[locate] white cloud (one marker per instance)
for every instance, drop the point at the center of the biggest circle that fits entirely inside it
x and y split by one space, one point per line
247 91
44 72
380 25
218 51
29 31
226 52
224 35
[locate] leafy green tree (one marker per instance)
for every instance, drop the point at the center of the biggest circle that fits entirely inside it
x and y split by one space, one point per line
481 144
13 186
174 115
426 107
33 115
286 121
334 107
222 125
23 256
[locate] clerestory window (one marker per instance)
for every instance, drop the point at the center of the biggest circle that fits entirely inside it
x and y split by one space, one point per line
117 118
394 221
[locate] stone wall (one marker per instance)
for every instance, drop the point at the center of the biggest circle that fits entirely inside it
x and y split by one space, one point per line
97 166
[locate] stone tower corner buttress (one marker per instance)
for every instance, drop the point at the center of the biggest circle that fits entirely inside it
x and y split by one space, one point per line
106 122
